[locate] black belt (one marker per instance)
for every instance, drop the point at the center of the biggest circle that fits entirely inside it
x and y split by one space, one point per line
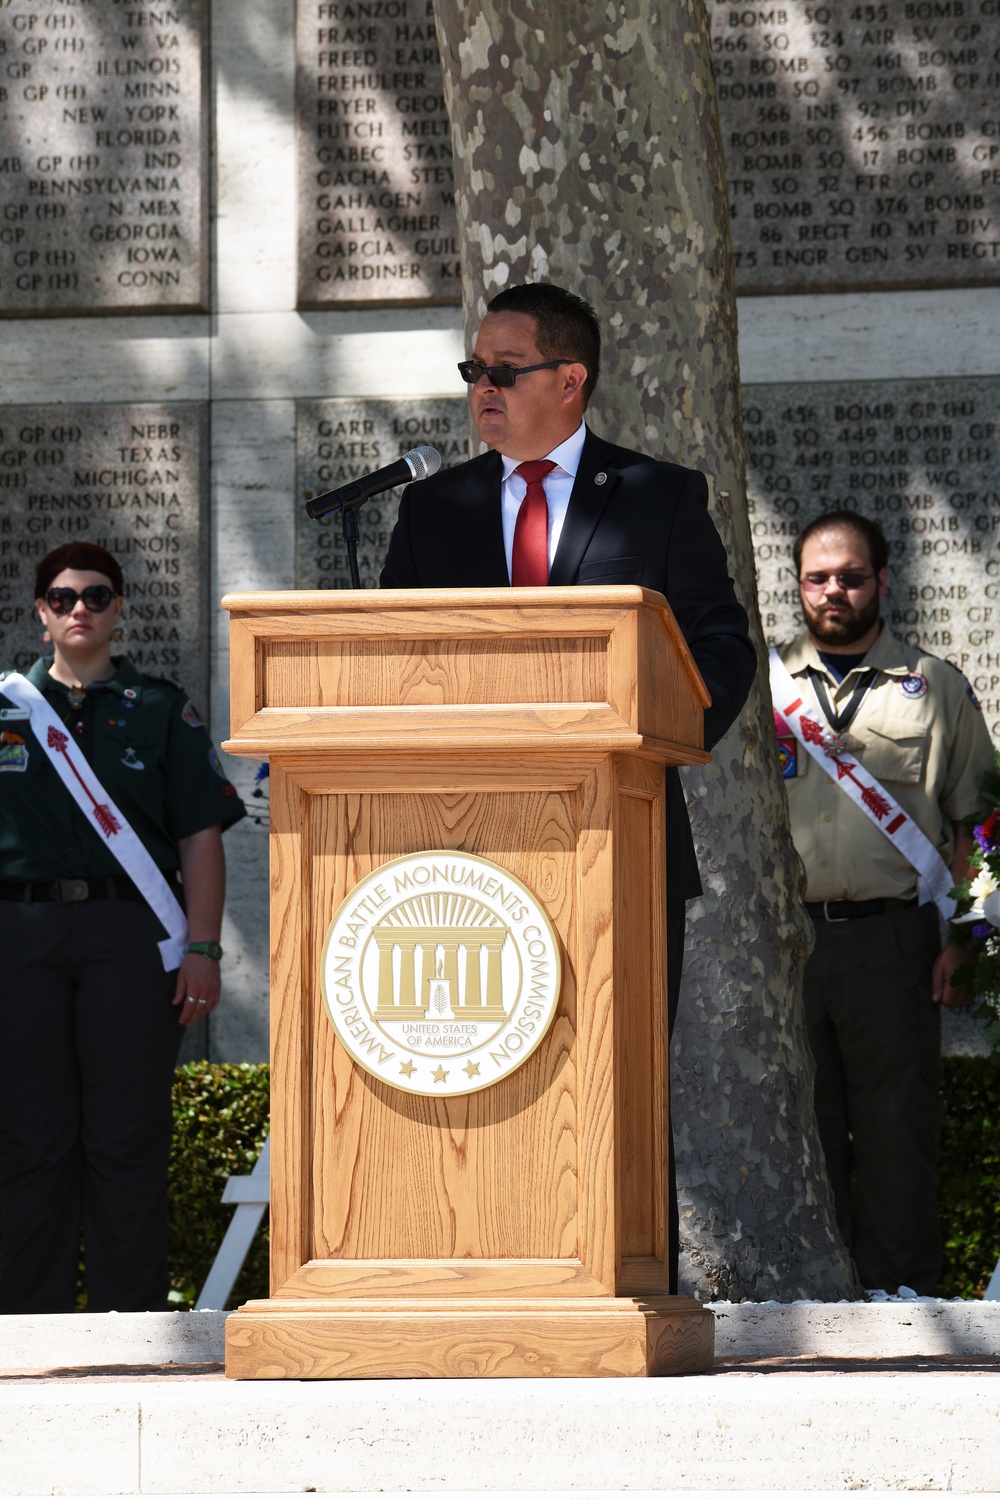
98 888
848 911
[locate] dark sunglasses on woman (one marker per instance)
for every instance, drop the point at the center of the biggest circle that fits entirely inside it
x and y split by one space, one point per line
96 598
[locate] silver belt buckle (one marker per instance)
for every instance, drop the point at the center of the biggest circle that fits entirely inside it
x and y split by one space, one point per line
72 890
827 917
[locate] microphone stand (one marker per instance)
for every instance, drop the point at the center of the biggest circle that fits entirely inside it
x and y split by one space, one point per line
349 527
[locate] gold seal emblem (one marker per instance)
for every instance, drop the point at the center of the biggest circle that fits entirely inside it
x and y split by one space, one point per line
441 973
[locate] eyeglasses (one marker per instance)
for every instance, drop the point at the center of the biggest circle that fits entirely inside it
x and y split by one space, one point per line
471 371
814 582
96 598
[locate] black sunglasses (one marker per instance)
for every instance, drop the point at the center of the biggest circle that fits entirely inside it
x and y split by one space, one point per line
851 581
471 371
96 598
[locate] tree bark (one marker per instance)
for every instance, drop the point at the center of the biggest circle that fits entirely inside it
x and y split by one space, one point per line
588 152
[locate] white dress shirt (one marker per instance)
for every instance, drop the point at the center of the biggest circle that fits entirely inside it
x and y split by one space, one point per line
558 487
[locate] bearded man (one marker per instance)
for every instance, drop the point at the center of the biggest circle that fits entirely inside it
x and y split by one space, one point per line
883 751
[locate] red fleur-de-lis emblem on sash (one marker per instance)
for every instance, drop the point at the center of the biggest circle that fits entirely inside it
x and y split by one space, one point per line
103 816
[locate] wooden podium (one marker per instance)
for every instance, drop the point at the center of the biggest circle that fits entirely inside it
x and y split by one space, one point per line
520 1229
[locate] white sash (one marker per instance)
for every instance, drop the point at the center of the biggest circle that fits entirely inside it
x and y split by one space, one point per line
812 731
108 822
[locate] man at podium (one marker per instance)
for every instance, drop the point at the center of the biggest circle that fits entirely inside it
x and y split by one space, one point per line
553 503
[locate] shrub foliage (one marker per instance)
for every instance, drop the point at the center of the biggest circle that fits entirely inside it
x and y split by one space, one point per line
220 1123
969 1174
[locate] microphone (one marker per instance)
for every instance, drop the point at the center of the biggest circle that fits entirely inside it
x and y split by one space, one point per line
419 463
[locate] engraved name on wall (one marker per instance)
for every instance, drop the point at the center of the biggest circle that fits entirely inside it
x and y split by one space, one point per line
102 156
920 458
132 479
340 440
376 189
862 141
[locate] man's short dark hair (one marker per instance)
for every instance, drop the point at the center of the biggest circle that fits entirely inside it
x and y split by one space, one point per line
567 326
85 557
878 547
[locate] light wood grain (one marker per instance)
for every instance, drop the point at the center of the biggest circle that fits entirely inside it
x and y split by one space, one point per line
472 1339
387 672
595 1091
291 1120
507 1231
489 1175
427 771
400 1278
514 726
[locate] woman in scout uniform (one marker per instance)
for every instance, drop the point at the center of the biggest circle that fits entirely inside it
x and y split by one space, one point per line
112 806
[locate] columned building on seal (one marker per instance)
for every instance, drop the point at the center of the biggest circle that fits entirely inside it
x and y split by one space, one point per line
449 964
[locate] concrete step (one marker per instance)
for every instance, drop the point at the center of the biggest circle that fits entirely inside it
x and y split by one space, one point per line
839 1330
730 1432
805 1399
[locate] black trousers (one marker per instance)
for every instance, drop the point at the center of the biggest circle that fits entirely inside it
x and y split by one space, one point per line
90 1039
876 1037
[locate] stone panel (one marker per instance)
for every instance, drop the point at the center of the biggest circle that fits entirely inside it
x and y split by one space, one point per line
103 150
337 441
133 479
376 189
862 142
920 458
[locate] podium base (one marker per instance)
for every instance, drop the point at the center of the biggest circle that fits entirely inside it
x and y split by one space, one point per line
282 1339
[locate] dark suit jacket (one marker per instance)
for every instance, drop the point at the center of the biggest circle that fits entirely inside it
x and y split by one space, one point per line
644 522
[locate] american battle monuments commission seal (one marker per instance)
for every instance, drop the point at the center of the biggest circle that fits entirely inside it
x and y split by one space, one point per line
441 973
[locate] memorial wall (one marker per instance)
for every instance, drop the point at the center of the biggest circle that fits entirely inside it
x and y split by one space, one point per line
862 142
176 382
337 441
103 156
133 479
376 187
920 457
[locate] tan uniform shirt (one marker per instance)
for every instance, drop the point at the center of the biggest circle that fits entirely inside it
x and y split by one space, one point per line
919 732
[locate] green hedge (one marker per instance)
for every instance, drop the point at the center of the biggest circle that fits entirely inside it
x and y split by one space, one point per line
221 1119
969 1174
220 1123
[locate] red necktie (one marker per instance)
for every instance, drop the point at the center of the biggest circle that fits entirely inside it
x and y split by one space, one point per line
530 554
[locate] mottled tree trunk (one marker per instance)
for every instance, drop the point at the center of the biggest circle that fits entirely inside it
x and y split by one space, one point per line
588 152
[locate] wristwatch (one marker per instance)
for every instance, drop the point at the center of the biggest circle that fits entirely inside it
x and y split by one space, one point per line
210 950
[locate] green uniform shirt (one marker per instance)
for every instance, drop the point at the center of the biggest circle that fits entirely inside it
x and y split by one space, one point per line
148 748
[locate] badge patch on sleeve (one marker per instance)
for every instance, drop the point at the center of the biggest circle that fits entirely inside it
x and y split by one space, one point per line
788 748
191 716
972 697
914 686
13 752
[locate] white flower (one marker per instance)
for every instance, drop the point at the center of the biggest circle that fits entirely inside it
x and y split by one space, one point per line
985 900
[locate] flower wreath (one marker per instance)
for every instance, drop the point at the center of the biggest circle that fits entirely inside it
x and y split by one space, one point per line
976 923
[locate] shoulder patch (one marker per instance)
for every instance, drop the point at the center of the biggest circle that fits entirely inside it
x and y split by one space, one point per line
788 748
216 764
191 716
966 684
13 752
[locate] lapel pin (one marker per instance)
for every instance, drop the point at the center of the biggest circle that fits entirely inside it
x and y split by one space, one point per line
601 478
